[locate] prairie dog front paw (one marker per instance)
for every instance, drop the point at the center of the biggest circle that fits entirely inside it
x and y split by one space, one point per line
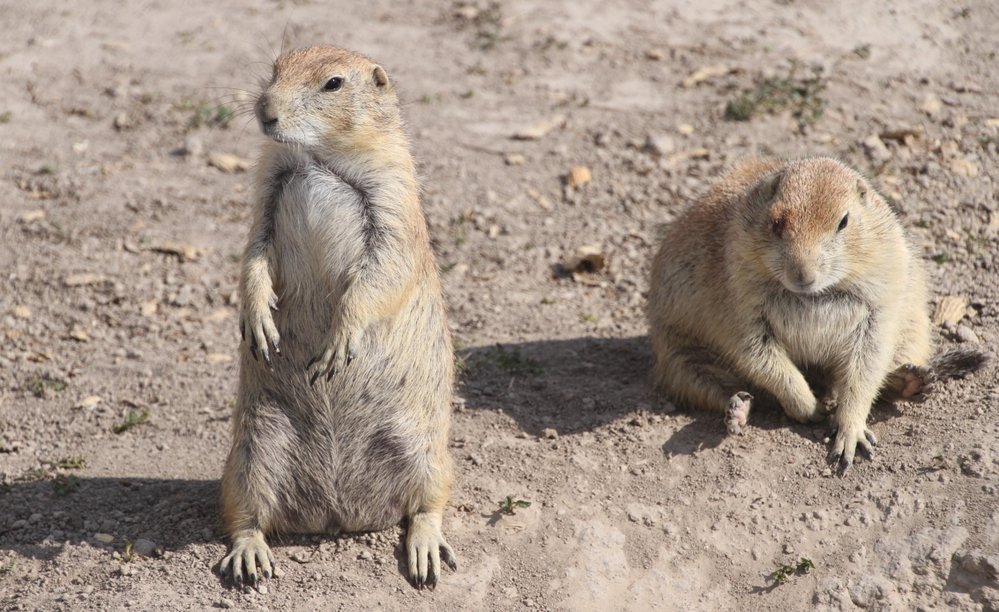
340 349
256 321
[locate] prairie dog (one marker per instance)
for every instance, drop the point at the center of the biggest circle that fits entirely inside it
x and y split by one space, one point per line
344 404
788 266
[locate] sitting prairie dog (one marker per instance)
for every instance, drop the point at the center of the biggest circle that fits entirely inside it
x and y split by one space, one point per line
344 404
788 266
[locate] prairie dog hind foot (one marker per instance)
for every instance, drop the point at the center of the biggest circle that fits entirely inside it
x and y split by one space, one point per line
249 551
847 437
425 548
737 412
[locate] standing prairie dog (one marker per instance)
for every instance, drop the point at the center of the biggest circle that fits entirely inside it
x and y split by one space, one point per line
790 266
345 426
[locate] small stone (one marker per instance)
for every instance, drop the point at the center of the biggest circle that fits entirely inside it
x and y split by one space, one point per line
685 128
108 525
549 433
931 105
218 358
876 149
668 407
655 55
659 144
226 604
35 517
365 555
301 557
19 524
965 334
193 146
79 335
514 159
88 403
578 176
104 538
127 569
788 549
964 167
262 588
149 308
22 312
144 547
122 121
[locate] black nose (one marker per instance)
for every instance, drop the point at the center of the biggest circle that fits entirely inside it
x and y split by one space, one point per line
268 124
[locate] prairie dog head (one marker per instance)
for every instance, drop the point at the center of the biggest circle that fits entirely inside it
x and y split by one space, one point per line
327 98
811 215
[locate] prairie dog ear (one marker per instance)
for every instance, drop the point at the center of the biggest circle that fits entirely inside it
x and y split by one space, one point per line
381 79
862 191
766 189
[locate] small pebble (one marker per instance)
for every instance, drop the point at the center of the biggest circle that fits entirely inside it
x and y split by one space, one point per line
966 334
144 547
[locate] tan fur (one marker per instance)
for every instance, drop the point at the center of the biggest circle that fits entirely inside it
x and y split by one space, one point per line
731 308
342 423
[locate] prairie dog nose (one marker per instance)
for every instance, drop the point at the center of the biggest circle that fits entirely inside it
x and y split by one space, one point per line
265 113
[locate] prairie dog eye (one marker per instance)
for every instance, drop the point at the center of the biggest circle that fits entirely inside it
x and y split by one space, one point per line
778 226
333 84
843 222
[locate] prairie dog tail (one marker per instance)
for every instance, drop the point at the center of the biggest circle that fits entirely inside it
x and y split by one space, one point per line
958 363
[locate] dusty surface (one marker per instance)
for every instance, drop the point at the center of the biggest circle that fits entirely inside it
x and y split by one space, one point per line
119 246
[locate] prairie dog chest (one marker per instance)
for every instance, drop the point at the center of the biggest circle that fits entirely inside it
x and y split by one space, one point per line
318 226
814 329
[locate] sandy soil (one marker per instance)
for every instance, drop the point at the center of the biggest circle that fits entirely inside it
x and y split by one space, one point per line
119 246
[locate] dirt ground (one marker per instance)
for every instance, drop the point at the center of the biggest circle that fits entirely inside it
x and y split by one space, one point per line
120 242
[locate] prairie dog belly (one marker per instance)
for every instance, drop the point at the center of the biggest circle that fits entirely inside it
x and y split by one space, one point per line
815 330
319 234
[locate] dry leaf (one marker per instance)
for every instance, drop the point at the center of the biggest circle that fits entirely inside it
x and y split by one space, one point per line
538 131
32 216
186 252
951 309
88 402
227 162
703 74
77 280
